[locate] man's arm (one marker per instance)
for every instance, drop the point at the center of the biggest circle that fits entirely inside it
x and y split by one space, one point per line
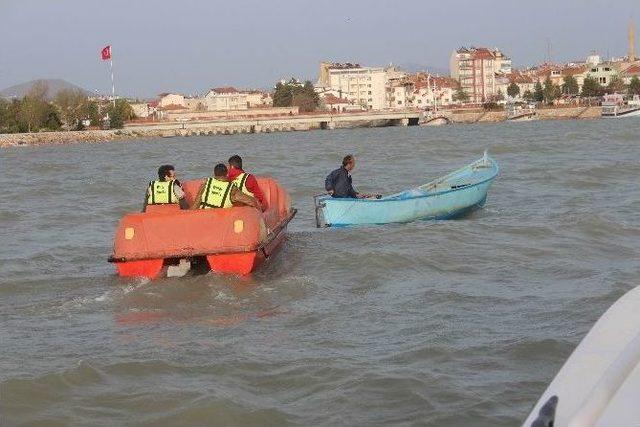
238 197
252 185
196 200
329 182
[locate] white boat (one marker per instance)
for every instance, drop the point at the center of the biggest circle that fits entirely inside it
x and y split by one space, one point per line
599 384
616 106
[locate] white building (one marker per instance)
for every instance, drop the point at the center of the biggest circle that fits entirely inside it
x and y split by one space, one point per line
257 99
225 98
364 86
170 99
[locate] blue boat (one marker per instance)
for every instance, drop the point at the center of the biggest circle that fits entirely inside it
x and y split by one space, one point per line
448 197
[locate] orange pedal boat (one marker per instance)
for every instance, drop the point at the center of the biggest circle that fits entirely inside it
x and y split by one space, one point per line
235 240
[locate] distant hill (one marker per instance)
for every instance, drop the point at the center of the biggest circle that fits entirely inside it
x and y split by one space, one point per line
55 85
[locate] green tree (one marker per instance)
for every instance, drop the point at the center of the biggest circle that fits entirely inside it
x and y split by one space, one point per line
9 116
119 113
305 97
550 91
513 90
72 104
460 95
527 95
590 87
292 93
283 95
616 85
570 86
92 112
33 109
634 86
538 92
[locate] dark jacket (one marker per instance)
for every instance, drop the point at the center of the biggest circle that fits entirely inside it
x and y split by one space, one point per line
340 182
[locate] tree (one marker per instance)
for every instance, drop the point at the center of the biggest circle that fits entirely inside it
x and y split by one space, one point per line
282 96
590 87
513 90
538 93
616 85
460 95
119 113
305 97
570 85
71 103
634 86
550 91
33 107
292 93
527 95
499 96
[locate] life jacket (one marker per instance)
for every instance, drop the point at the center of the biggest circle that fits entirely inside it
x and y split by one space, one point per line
216 194
161 193
241 183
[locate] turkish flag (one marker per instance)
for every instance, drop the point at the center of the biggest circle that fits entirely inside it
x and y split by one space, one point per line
106 53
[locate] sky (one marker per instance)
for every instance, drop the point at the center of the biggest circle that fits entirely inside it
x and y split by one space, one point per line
189 46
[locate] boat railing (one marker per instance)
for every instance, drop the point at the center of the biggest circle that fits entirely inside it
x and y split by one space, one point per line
480 163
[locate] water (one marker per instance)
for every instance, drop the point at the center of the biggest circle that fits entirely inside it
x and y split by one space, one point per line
431 323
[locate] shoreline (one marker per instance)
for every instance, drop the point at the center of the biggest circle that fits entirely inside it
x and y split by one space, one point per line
280 124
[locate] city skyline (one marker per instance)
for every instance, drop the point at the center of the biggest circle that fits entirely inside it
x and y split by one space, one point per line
191 47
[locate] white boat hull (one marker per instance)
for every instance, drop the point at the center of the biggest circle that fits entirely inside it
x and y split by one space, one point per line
599 384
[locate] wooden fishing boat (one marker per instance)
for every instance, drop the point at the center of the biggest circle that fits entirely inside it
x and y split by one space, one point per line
599 384
167 240
450 196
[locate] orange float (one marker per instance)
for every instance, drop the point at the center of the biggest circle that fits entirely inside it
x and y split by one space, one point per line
235 240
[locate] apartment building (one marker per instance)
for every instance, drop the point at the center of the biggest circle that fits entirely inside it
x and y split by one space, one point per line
225 98
476 68
364 86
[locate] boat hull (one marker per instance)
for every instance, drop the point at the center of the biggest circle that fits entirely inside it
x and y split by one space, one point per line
166 240
599 383
449 202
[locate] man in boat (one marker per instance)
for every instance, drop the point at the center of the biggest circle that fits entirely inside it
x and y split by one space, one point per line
246 182
339 183
166 190
219 192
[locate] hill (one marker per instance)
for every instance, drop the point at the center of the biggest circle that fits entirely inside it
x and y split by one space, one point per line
55 85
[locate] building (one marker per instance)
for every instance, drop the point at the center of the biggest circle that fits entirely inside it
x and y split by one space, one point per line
170 99
364 86
258 99
422 91
476 69
337 105
225 99
630 72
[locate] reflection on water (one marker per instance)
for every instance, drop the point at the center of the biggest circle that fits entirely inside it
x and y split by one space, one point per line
442 323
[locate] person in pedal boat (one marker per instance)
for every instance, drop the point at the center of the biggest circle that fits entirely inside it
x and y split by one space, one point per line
339 183
246 182
166 190
219 192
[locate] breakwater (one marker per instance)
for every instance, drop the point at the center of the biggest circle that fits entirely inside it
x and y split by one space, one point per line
279 124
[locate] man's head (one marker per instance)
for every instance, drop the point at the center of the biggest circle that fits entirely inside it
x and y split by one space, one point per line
166 172
235 161
220 171
349 162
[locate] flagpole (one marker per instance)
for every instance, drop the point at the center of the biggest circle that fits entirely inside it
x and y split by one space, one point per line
113 85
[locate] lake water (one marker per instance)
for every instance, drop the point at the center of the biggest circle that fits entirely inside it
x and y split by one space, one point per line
444 323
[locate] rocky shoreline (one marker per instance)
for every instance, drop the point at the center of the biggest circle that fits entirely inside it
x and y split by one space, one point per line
285 124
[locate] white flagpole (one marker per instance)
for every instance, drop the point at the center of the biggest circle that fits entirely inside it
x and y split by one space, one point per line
113 85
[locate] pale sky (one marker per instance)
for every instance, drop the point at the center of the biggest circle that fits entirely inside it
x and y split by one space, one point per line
189 46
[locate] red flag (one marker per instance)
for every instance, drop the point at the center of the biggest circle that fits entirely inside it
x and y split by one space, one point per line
106 53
